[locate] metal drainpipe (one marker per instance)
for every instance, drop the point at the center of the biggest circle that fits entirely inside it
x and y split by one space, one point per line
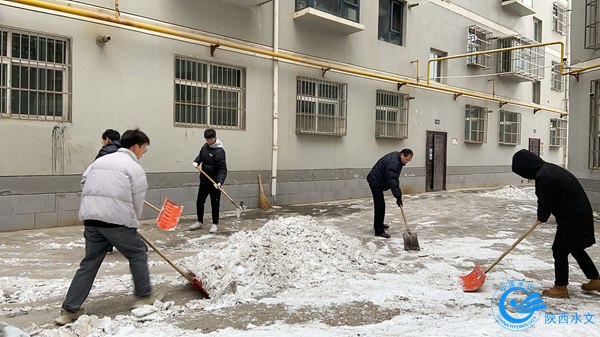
567 91
275 101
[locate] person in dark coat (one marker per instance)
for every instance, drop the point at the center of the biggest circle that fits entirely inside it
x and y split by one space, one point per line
382 177
211 160
110 142
559 193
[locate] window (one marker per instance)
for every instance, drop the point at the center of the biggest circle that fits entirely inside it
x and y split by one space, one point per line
537 30
391 21
510 128
347 9
527 63
536 92
320 107
556 78
478 40
34 75
592 24
594 161
558 132
391 115
209 95
436 68
559 18
475 124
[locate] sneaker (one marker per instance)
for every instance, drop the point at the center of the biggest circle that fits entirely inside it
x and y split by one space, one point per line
593 285
386 226
213 229
383 235
68 317
556 292
148 300
195 226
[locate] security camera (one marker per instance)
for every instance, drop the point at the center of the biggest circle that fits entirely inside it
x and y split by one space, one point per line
102 39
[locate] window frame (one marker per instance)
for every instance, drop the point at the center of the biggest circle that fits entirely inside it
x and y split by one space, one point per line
592 24
205 106
476 116
527 62
559 18
342 10
437 68
556 79
391 104
43 68
558 132
478 40
504 133
386 30
317 114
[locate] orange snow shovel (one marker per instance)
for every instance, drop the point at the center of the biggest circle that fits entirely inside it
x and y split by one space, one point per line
168 215
475 279
239 209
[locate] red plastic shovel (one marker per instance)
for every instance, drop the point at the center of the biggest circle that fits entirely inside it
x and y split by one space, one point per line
168 215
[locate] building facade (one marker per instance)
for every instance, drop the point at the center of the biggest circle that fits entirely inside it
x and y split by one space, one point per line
308 94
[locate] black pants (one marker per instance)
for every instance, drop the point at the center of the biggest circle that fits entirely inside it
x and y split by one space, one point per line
215 201
561 265
379 209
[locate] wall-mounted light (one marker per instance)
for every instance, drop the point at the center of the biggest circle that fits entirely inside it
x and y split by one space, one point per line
101 40
412 5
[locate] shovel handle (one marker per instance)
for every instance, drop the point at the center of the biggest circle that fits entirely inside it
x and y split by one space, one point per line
166 258
405 222
537 222
219 187
151 206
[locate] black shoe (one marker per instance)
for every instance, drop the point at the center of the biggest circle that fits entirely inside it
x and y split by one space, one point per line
386 226
383 235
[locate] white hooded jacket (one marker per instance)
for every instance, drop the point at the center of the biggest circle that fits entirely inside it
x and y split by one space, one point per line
113 189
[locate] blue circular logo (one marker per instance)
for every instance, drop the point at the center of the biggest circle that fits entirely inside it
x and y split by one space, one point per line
516 305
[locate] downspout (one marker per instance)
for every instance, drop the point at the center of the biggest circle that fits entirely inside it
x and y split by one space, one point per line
275 101
567 83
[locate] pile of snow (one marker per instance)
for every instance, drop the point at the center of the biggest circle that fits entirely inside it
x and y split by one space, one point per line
512 193
286 253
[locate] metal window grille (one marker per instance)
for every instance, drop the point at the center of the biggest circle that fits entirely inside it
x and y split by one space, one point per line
558 132
35 72
556 78
391 115
527 63
594 160
559 18
510 128
320 107
475 124
209 95
347 9
592 24
478 40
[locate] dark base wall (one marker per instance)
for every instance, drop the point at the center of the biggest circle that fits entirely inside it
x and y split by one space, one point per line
53 201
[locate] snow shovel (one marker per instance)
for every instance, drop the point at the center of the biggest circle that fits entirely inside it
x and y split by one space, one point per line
411 242
239 209
168 215
475 279
191 277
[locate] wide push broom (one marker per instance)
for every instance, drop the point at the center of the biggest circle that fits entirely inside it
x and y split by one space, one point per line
475 279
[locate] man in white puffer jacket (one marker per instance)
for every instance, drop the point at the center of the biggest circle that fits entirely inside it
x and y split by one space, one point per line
113 192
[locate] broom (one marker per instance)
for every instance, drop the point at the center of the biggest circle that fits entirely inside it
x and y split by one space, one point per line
264 203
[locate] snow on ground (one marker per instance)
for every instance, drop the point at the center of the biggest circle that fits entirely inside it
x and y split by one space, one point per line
300 263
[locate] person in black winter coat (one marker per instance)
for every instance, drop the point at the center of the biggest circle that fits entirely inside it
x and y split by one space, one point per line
211 160
559 193
382 177
110 142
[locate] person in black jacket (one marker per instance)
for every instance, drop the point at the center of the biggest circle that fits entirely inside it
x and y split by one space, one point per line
110 142
559 193
211 160
384 176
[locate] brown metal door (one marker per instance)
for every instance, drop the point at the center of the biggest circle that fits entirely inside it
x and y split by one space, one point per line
534 145
436 161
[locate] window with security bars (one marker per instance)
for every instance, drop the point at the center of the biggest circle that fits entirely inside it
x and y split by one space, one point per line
559 18
475 124
594 148
391 115
556 78
510 128
209 95
35 71
558 132
320 107
478 40
527 63
592 24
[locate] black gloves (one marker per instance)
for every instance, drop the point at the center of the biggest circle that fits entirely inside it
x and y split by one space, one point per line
399 202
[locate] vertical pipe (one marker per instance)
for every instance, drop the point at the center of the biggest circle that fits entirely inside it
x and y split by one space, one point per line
275 101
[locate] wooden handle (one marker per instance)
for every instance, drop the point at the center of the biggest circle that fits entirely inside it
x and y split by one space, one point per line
169 261
152 206
404 217
214 183
513 245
